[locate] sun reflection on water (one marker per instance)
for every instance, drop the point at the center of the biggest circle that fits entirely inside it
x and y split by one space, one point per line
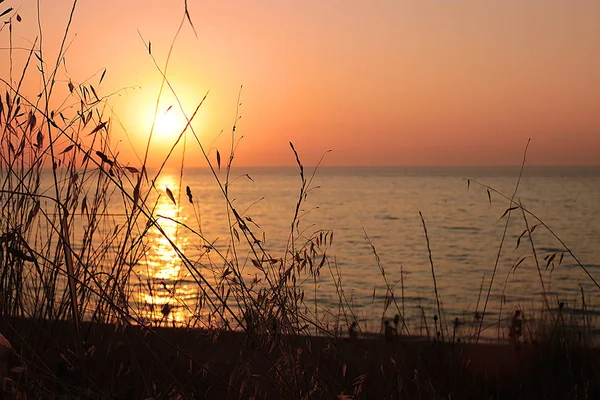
165 297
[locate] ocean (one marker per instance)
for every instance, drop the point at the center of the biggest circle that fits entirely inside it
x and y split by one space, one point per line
378 237
368 221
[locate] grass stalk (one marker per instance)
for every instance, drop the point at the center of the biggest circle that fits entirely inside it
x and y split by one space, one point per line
500 247
437 296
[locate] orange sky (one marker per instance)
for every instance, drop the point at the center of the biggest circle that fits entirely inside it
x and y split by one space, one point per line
379 83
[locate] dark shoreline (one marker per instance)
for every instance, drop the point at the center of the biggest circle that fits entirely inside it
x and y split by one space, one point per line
134 362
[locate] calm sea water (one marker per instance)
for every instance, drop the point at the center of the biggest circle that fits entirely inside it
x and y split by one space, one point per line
465 232
464 224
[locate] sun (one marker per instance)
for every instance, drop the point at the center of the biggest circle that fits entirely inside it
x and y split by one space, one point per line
166 121
169 124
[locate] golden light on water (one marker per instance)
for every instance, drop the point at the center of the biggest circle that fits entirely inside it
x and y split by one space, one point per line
164 295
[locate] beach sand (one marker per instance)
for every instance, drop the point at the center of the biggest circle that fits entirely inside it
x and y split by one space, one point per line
138 363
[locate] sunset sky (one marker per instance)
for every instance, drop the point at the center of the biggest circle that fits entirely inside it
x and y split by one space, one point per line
378 83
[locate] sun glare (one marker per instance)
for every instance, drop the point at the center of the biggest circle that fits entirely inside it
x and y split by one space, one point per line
169 124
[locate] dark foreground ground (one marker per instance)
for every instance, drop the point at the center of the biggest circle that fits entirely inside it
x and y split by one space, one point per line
130 362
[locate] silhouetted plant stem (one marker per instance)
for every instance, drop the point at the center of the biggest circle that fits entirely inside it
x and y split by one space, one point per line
437 296
62 216
389 288
535 257
487 298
